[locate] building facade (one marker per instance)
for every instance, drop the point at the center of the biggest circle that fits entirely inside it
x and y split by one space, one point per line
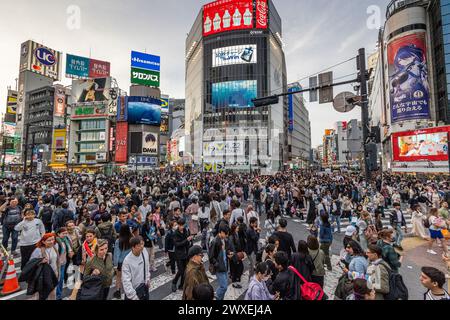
299 139
229 62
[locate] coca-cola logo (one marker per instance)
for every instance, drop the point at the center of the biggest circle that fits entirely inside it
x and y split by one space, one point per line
262 9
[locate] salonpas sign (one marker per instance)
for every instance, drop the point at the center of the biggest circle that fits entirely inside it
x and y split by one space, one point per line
145 77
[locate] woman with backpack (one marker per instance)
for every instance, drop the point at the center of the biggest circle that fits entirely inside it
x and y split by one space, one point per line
302 261
318 258
122 248
388 252
101 265
204 219
88 249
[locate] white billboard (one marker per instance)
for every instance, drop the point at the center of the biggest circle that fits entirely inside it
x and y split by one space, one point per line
223 148
227 56
150 143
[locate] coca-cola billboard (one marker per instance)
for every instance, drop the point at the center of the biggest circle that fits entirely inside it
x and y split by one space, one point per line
227 15
262 14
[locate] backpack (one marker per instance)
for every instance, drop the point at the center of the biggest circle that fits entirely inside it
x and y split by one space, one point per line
426 223
259 255
310 291
46 215
91 289
11 220
108 235
397 288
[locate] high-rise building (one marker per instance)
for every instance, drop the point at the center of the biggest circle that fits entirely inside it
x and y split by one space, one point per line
234 53
45 123
299 138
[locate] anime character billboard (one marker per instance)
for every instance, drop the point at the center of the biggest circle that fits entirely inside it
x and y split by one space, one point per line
408 78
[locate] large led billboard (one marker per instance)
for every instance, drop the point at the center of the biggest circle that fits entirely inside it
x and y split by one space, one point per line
234 94
421 145
408 78
91 90
227 15
227 56
144 110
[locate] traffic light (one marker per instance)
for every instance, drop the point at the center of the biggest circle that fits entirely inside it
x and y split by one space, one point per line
372 156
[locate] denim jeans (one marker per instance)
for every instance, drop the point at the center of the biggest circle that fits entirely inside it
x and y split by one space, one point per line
399 237
59 288
258 207
7 232
222 277
336 219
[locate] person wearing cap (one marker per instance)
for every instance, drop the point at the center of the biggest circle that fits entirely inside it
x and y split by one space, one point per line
350 234
195 272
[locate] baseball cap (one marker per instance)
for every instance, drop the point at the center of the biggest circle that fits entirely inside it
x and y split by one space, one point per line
350 231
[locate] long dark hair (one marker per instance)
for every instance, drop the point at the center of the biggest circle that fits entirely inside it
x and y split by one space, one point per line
125 237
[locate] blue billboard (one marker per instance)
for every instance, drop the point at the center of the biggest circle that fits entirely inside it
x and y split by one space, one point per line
145 61
77 66
144 110
291 107
234 94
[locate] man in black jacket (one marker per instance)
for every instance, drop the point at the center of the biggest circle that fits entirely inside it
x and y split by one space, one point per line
182 242
252 235
287 244
224 221
220 252
281 287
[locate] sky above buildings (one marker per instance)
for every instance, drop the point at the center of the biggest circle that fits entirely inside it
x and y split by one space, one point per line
317 34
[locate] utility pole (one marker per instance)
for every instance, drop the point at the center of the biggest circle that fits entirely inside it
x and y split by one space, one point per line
27 127
362 76
32 152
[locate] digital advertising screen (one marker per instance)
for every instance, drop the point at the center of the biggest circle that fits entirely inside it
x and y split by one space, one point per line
408 78
227 15
422 145
234 94
144 110
228 56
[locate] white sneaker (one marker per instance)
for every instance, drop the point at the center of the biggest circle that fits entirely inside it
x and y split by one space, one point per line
432 252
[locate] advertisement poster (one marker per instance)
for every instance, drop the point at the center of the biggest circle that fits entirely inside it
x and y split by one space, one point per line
262 14
144 110
59 146
408 78
40 59
60 101
77 66
91 90
164 129
99 69
88 111
228 56
11 107
122 109
145 61
143 77
224 148
165 105
421 145
150 143
234 94
122 142
9 129
227 15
